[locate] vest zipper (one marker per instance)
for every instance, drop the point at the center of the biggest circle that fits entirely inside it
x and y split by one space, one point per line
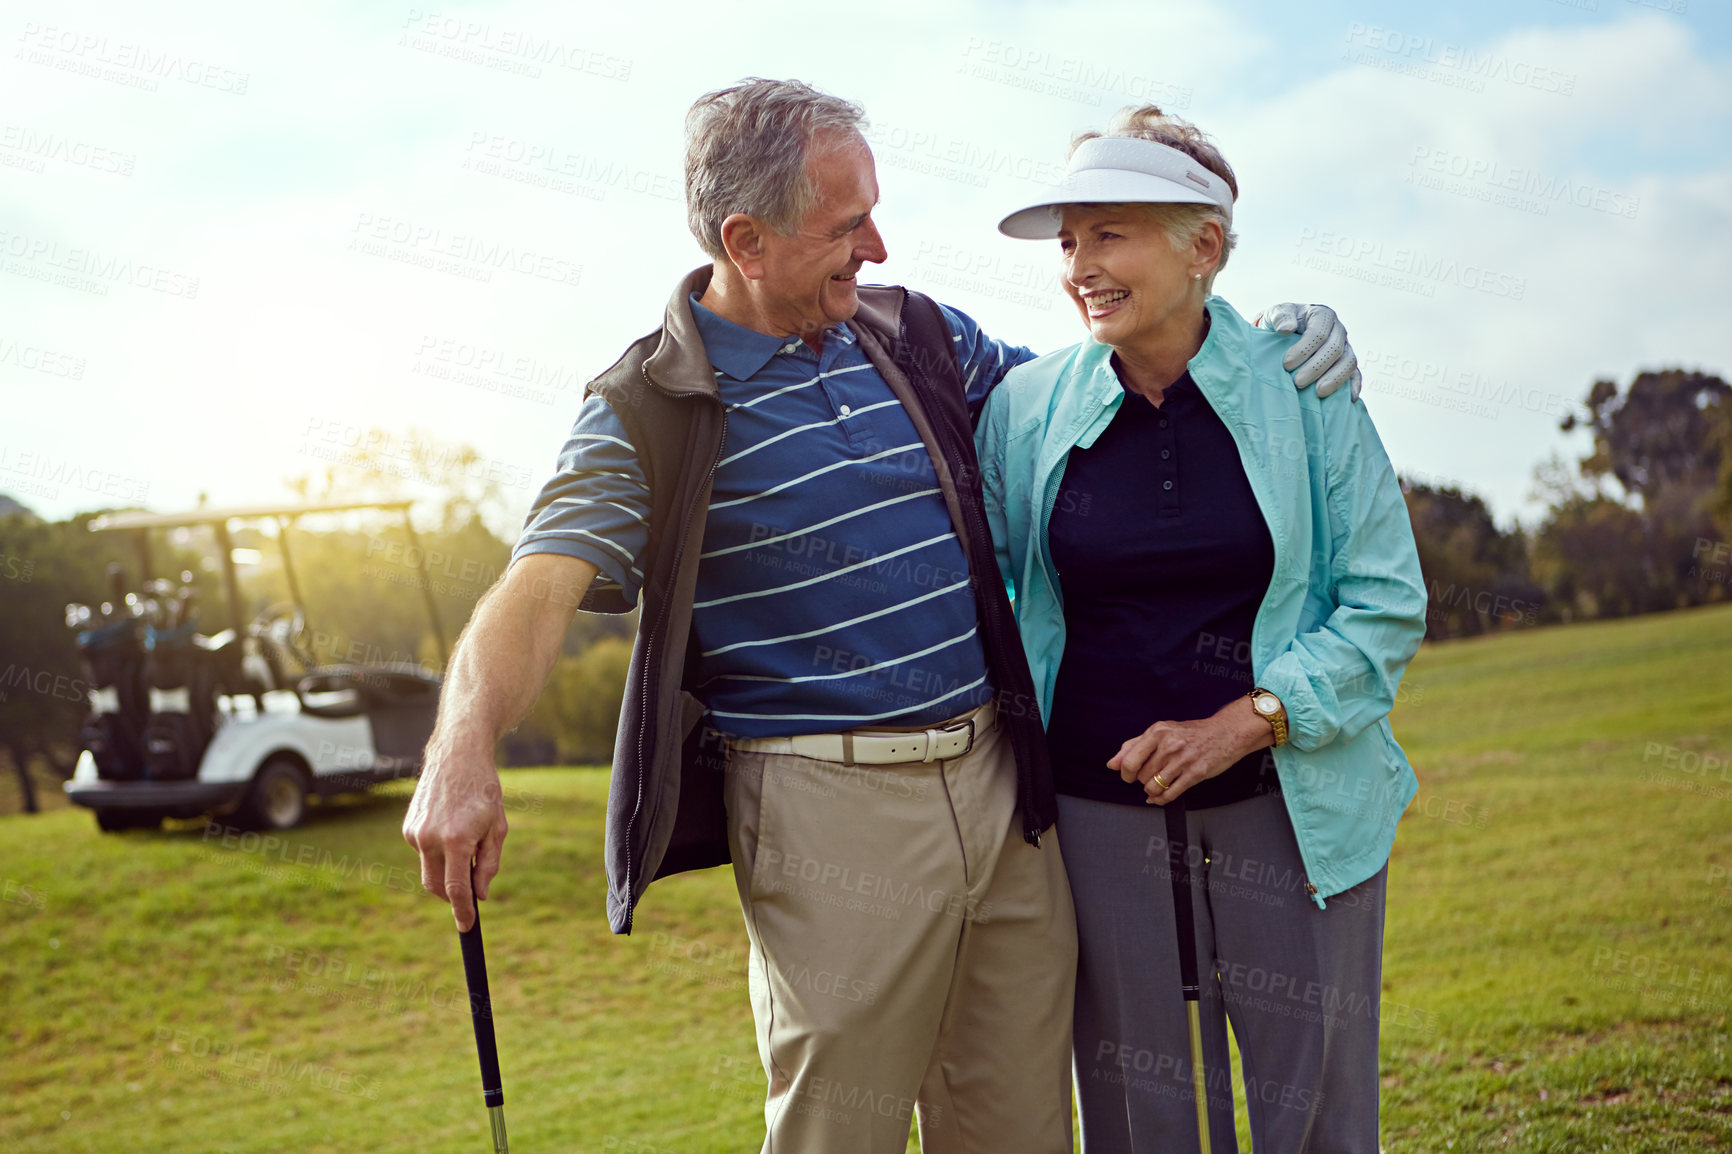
645 720
1024 778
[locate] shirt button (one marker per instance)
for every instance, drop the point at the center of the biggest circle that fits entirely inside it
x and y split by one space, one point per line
1163 422
846 410
1165 453
791 346
1166 484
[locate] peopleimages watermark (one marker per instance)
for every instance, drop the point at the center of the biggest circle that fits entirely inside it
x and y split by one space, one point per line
252 1066
27 148
1031 284
1661 978
501 372
411 457
122 61
1721 876
1711 561
1400 267
337 976
1458 388
540 164
517 51
1442 597
43 683
45 475
461 254
18 893
1047 73
1170 1075
827 1099
288 852
861 891
1510 186
1688 770
88 269
38 359
1455 65
931 152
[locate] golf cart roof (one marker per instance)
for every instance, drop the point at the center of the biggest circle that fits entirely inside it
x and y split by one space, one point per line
218 519
139 520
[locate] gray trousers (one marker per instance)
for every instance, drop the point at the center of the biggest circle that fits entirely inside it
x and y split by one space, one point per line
1300 984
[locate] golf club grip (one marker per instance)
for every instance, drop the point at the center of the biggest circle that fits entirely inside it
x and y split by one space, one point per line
481 1011
1178 855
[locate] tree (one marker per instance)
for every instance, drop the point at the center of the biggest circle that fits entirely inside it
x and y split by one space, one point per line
1662 435
1476 575
1635 549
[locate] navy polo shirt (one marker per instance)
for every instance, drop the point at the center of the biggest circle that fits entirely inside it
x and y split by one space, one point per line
1163 558
832 590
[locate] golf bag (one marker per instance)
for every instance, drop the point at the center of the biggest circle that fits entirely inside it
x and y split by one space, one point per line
113 731
112 656
186 672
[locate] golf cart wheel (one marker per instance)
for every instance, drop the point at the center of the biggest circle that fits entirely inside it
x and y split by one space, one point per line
278 797
116 820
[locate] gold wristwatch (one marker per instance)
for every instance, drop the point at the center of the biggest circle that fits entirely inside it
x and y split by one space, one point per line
1270 709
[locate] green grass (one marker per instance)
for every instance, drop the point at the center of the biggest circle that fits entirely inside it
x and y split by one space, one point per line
1556 958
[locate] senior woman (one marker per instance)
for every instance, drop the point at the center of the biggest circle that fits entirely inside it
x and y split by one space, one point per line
1218 590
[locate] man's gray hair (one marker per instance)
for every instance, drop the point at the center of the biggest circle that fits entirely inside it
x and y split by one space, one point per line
746 150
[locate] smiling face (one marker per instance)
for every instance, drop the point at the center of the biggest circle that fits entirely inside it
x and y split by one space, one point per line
806 280
1127 280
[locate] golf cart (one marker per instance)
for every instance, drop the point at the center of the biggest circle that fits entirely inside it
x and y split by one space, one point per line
242 725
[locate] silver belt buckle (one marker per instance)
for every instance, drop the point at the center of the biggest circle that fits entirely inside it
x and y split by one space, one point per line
932 736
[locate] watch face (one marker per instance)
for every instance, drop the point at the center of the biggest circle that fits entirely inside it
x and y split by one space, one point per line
1266 705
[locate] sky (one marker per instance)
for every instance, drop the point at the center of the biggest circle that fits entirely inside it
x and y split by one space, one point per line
234 240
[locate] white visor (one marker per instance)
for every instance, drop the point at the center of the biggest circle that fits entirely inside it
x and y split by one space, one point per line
1120 170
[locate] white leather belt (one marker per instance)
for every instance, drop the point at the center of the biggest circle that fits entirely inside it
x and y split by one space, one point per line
881 747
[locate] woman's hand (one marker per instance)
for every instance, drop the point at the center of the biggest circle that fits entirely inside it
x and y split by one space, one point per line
1182 753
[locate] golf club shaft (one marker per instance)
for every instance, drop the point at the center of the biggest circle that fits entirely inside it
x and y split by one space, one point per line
1184 916
481 1016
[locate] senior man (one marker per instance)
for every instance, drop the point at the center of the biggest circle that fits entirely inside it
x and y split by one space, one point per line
821 691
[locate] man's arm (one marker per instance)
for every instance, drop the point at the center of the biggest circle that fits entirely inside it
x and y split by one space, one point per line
500 664
984 360
589 524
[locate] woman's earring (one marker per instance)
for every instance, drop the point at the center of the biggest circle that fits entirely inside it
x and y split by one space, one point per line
1196 276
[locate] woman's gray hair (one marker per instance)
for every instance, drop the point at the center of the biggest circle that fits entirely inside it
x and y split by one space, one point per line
746 150
1181 222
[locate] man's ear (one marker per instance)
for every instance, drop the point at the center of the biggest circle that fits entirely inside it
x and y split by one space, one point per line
743 237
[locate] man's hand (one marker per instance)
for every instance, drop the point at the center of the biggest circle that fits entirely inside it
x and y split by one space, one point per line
1182 753
497 670
1321 354
457 816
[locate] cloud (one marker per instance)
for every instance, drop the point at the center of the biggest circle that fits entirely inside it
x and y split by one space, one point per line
442 140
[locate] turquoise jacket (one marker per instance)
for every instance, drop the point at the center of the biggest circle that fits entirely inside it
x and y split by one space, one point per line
1345 610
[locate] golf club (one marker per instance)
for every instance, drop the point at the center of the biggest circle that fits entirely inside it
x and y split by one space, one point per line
481 1016
1178 848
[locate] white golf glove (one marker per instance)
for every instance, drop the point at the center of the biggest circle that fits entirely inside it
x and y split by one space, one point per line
1321 354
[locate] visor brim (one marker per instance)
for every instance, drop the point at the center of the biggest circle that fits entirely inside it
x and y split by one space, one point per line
1040 221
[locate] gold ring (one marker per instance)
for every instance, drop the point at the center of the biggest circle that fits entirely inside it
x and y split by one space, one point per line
1164 785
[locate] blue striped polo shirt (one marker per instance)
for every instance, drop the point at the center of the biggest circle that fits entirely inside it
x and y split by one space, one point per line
832 591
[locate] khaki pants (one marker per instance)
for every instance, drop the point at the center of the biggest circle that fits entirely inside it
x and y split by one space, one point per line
910 953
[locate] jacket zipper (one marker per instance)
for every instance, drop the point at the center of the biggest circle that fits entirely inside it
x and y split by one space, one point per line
645 720
1257 627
